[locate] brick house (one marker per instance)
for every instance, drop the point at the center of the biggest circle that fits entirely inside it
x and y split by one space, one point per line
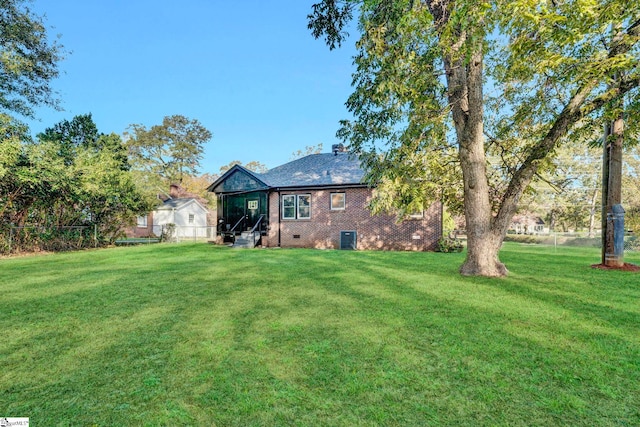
318 201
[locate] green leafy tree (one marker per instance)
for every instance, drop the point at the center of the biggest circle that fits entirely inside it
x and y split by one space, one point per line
113 144
429 71
107 190
28 60
309 149
631 190
15 197
253 165
12 135
81 131
197 185
92 170
166 153
567 192
90 186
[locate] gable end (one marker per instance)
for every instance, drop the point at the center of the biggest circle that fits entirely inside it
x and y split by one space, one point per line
237 179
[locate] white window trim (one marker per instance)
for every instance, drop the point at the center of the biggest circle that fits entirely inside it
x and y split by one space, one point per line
288 196
142 221
344 202
296 206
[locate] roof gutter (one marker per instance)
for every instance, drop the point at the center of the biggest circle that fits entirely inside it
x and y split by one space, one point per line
299 188
319 187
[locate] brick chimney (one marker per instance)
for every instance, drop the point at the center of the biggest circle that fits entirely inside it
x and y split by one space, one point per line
174 191
338 148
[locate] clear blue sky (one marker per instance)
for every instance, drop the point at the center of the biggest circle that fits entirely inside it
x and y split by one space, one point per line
249 71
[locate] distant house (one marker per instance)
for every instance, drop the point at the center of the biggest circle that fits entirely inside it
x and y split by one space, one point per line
187 215
528 224
318 201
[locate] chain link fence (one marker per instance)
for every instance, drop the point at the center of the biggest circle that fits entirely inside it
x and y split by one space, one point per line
15 239
576 239
185 233
557 239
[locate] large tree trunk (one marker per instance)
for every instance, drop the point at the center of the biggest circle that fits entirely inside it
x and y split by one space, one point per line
483 239
463 65
482 257
464 79
462 57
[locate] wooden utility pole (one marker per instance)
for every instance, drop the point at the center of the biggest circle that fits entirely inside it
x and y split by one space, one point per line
612 212
612 190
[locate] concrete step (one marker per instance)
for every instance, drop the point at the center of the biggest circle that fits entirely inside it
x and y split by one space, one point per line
245 241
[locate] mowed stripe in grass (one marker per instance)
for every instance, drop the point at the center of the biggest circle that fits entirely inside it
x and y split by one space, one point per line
204 335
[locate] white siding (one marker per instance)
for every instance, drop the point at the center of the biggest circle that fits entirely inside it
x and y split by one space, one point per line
180 217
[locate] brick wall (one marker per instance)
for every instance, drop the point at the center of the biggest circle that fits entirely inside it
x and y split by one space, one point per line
136 231
373 232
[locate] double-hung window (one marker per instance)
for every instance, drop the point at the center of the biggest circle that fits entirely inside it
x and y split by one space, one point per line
296 206
289 206
142 221
338 201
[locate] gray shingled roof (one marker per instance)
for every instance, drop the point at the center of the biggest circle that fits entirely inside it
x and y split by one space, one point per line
315 170
175 203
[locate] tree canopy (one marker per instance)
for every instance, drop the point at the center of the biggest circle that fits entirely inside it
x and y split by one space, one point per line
504 80
89 189
253 165
166 153
309 149
82 132
28 60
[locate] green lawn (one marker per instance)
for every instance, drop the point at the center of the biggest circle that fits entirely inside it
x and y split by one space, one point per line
194 334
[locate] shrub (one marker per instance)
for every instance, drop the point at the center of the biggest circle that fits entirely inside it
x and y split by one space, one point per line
449 244
585 242
523 238
632 244
168 232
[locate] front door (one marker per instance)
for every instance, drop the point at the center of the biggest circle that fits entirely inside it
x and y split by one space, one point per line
243 211
252 211
234 212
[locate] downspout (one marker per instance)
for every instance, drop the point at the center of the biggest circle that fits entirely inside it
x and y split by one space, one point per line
279 220
220 214
441 213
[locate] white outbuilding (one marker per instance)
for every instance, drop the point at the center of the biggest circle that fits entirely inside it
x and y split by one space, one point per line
187 215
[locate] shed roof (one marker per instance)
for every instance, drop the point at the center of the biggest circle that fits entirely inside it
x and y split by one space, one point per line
178 204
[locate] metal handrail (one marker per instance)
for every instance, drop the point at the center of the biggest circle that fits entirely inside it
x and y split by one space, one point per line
258 223
237 224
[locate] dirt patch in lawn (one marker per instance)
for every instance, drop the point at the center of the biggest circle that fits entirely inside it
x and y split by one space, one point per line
626 267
